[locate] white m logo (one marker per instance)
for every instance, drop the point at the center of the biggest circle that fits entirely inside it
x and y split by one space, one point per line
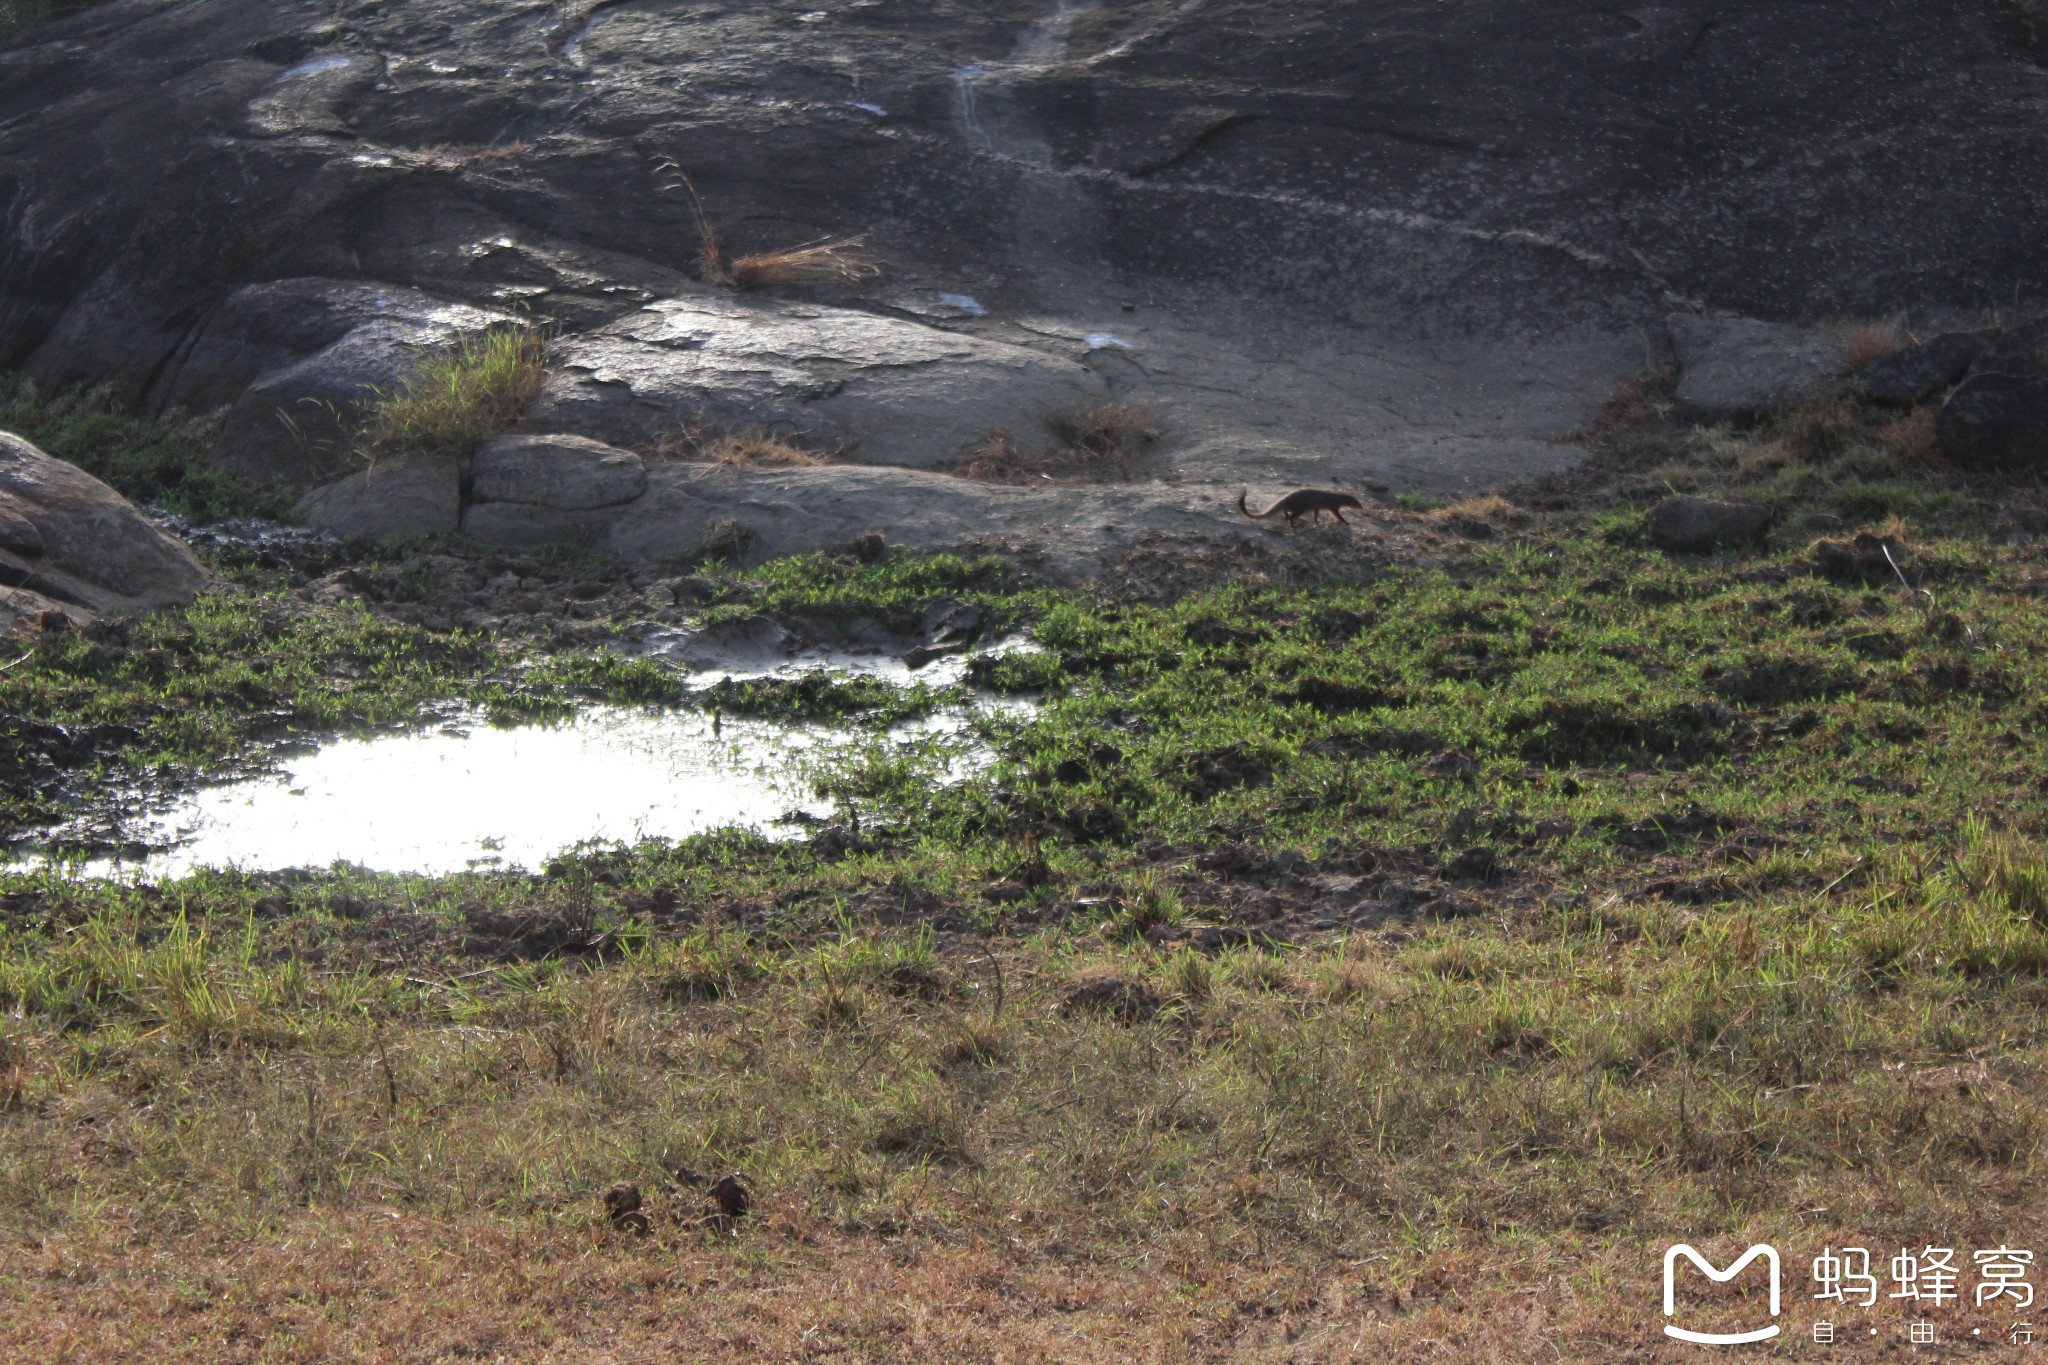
1768 1253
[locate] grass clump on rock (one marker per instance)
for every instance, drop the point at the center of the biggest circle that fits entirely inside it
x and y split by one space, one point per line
458 397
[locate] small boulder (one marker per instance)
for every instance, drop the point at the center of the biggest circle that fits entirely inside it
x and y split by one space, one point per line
1736 369
393 500
69 544
1909 377
573 473
1682 525
1995 421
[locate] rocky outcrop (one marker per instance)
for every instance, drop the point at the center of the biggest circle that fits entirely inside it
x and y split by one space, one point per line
1738 369
1469 164
70 544
1320 245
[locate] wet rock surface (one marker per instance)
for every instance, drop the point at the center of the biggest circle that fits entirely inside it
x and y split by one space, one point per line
1130 200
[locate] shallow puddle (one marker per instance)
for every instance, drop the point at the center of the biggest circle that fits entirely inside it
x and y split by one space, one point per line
466 795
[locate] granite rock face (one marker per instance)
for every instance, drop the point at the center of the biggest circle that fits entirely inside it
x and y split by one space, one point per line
1325 243
1499 160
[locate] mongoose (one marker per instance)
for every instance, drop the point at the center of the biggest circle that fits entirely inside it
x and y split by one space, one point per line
1309 502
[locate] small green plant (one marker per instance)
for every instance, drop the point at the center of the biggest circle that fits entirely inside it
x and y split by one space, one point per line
458 397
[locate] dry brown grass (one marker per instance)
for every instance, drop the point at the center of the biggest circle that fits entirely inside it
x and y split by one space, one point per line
711 267
758 449
1101 440
834 260
1864 344
1116 432
745 448
1486 512
996 459
1911 440
839 260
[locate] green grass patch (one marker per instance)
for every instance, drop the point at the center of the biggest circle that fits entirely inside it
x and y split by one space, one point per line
158 464
458 396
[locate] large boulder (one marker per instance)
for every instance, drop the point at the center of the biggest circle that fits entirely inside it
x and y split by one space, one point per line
1737 369
1995 422
79 547
897 392
1911 376
1997 418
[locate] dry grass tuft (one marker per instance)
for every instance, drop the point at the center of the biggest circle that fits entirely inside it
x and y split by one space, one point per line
1479 517
711 266
1821 429
1094 441
1864 344
757 448
996 459
839 260
1487 507
1911 439
1109 431
834 260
